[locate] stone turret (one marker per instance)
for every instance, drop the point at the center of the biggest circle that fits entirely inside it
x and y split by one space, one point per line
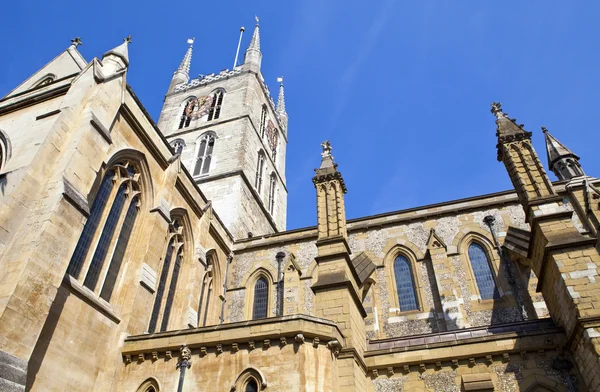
563 162
565 261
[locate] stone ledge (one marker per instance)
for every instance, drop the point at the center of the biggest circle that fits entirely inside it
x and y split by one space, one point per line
272 329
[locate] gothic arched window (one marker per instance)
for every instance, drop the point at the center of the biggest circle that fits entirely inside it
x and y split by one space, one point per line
215 107
178 145
119 192
482 271
252 386
263 121
171 269
204 154
206 293
405 284
4 149
260 167
272 188
189 107
261 298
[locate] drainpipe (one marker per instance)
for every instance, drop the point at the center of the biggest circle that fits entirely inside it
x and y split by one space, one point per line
489 221
184 363
279 306
223 300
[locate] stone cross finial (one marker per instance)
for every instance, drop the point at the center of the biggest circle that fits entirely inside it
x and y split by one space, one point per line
76 41
496 109
127 39
326 149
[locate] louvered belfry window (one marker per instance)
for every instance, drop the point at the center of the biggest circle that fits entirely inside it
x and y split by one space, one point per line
261 298
189 107
405 284
109 227
482 271
169 277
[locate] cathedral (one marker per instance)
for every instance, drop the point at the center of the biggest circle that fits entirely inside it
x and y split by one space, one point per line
153 257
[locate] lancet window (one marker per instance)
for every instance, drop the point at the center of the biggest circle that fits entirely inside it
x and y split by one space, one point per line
405 284
99 254
261 298
272 191
263 121
206 144
260 167
480 264
169 278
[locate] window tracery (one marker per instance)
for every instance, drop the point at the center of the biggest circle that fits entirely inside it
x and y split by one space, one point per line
215 108
170 272
204 154
111 231
261 298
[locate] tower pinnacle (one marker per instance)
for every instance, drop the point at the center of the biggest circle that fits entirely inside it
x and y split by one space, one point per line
281 98
507 128
562 161
253 56
182 74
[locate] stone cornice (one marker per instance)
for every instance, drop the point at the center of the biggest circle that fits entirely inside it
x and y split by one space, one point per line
234 334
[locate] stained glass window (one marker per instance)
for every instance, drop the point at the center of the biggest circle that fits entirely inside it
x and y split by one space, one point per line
117 259
261 297
405 284
105 239
83 245
482 271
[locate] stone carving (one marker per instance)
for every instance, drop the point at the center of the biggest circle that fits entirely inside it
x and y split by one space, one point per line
168 354
251 345
299 338
127 358
154 356
266 343
219 348
283 341
185 353
316 342
234 347
141 357
334 346
390 371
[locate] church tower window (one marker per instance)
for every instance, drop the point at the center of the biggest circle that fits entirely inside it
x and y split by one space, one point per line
215 108
251 386
260 166
188 108
204 154
482 271
272 189
261 298
405 284
170 271
120 190
263 121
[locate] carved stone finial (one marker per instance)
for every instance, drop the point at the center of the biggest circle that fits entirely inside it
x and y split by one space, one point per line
544 129
497 109
257 20
326 149
76 42
127 39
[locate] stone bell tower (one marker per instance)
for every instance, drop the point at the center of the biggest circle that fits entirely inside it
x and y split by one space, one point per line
565 262
232 137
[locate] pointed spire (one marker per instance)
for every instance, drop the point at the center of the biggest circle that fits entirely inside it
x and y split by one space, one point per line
187 59
120 51
328 168
255 42
507 128
253 56
562 161
281 99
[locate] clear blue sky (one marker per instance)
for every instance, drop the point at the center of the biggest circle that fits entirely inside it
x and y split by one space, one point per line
401 88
